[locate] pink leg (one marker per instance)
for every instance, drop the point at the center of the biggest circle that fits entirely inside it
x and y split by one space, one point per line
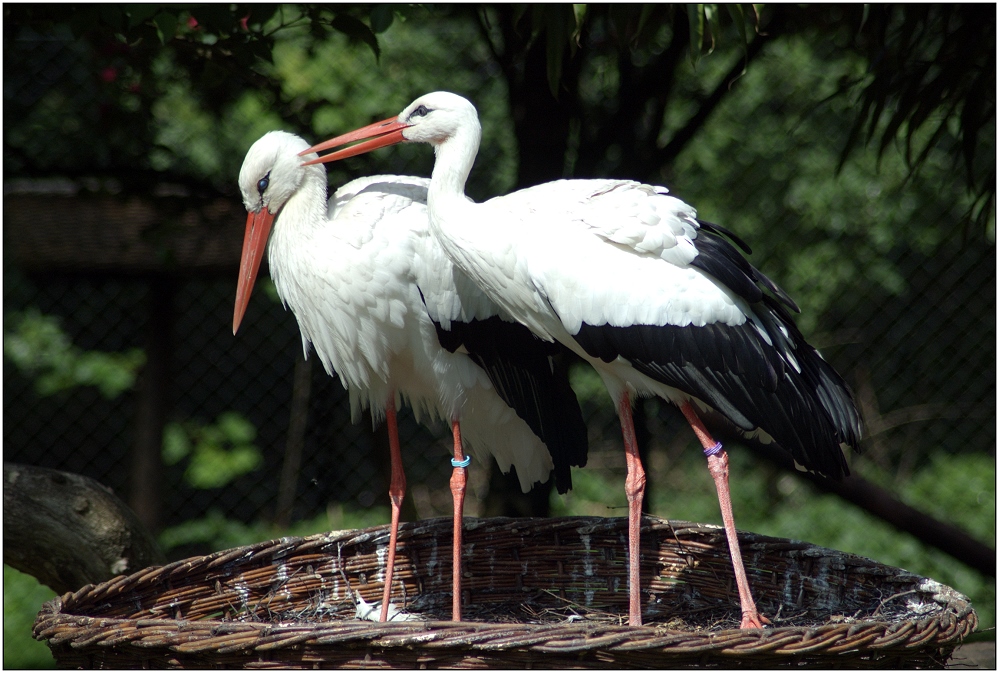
458 479
718 466
397 491
634 487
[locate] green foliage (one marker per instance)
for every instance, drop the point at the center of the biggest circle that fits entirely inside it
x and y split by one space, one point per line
22 599
217 453
784 176
268 289
958 487
216 532
122 61
560 25
38 346
323 86
931 83
705 21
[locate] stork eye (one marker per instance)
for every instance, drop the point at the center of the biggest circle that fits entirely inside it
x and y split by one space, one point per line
421 111
262 185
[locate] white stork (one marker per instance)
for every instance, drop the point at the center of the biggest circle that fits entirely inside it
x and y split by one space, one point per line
387 312
657 301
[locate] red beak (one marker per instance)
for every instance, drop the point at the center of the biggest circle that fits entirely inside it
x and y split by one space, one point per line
258 227
382 134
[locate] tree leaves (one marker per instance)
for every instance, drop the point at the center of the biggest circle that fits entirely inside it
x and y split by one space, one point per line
635 27
166 26
37 345
705 26
560 25
931 85
356 29
217 453
381 18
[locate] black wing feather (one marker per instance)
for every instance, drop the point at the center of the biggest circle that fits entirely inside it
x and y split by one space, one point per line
718 229
808 413
520 367
761 374
722 261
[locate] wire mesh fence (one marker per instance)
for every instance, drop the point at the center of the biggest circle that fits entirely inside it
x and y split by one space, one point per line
920 364
921 358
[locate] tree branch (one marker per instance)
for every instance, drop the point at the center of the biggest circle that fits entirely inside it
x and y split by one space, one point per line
68 530
883 504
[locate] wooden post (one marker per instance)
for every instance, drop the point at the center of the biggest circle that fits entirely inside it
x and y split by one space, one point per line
297 425
153 404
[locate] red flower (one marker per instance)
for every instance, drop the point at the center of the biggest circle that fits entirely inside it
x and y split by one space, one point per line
109 74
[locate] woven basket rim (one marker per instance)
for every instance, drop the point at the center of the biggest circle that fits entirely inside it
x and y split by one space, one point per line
58 624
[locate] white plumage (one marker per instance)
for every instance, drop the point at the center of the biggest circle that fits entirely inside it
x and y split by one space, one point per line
657 301
352 275
366 281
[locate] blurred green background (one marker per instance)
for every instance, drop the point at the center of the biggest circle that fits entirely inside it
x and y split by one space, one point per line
853 147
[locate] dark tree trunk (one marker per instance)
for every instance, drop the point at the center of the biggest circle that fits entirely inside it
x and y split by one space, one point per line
542 121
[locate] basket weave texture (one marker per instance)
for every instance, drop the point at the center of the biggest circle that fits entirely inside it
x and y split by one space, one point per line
546 593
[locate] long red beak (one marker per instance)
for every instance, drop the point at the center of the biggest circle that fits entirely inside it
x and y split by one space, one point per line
258 227
382 134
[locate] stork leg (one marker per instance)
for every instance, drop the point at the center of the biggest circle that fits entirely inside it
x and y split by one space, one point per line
458 480
634 488
718 466
397 491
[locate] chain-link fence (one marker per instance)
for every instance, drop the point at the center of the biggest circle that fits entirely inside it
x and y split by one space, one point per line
158 273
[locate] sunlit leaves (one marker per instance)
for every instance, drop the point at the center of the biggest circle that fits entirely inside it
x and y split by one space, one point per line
37 345
23 595
961 486
217 453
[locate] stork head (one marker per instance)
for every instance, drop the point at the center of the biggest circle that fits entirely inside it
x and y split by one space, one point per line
436 117
433 118
272 172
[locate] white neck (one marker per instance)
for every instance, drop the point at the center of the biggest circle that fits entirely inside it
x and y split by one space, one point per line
299 220
306 208
454 159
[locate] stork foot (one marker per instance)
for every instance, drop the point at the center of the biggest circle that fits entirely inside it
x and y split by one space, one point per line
753 620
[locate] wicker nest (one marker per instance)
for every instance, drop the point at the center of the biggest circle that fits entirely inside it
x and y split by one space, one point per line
548 593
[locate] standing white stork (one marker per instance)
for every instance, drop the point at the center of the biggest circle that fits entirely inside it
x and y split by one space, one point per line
388 312
656 300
